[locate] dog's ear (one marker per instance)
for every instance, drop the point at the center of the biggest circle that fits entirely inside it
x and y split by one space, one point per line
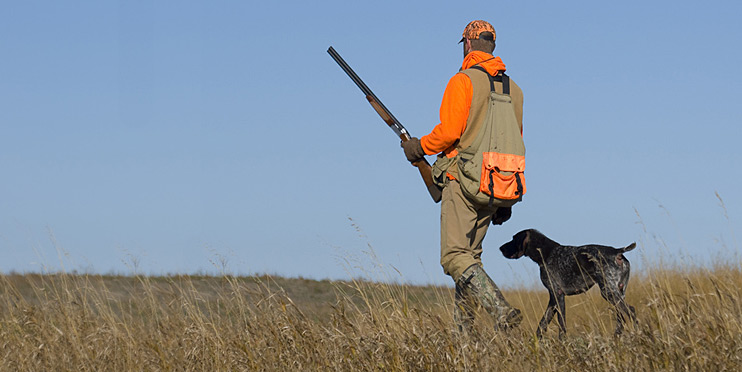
525 242
628 247
525 239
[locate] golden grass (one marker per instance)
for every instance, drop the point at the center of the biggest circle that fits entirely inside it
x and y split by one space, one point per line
689 319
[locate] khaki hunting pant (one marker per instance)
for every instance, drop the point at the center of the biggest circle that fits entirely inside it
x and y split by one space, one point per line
463 227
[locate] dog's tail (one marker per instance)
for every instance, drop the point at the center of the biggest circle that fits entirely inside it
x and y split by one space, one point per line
627 248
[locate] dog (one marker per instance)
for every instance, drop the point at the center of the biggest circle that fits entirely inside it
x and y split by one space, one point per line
567 270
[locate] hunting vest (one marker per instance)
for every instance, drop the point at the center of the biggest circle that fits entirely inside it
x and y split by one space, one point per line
489 160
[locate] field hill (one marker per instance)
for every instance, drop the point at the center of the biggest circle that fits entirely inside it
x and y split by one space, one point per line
688 319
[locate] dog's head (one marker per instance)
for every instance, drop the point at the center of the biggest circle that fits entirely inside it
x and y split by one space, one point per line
530 243
516 248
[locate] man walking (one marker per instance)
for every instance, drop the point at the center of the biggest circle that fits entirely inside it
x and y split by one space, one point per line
467 116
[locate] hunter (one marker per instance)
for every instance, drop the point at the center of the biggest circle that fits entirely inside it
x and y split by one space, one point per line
464 121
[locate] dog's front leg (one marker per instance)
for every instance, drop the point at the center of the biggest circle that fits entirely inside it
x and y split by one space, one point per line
561 313
548 315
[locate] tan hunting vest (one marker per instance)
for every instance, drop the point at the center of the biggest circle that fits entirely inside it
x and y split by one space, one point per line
489 160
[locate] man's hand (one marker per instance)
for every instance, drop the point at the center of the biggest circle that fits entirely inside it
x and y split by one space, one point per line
503 214
413 150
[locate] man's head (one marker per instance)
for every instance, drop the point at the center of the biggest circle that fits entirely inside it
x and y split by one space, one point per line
478 35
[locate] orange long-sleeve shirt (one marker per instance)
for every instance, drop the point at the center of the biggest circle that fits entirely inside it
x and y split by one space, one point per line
456 104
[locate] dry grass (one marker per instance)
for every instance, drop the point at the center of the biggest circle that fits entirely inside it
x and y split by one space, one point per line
688 320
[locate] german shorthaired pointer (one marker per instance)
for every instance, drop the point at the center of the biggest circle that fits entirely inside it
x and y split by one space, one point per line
567 270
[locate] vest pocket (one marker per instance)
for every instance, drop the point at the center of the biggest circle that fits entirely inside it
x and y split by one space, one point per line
502 175
440 169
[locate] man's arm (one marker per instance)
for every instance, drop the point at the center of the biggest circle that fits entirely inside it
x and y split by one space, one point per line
453 114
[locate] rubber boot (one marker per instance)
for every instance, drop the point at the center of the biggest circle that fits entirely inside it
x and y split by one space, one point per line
463 312
477 284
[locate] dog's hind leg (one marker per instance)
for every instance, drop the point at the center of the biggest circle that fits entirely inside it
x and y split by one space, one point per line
623 311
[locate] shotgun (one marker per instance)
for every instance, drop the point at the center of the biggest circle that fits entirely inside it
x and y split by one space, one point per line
422 165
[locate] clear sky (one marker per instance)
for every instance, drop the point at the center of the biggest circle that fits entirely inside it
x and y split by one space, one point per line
181 136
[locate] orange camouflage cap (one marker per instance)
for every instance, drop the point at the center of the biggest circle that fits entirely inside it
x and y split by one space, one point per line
474 28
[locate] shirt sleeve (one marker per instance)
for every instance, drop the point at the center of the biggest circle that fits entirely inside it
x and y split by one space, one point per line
454 114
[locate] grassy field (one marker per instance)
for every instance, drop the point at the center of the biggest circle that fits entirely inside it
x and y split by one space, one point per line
689 319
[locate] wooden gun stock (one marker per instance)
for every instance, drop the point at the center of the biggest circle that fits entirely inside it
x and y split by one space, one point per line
426 172
422 165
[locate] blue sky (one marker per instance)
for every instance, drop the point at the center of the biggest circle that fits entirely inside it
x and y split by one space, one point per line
171 137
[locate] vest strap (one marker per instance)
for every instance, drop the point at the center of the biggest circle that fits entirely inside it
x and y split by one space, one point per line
520 184
501 78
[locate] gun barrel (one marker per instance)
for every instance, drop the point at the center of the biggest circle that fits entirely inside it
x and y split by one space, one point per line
422 165
384 112
348 70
